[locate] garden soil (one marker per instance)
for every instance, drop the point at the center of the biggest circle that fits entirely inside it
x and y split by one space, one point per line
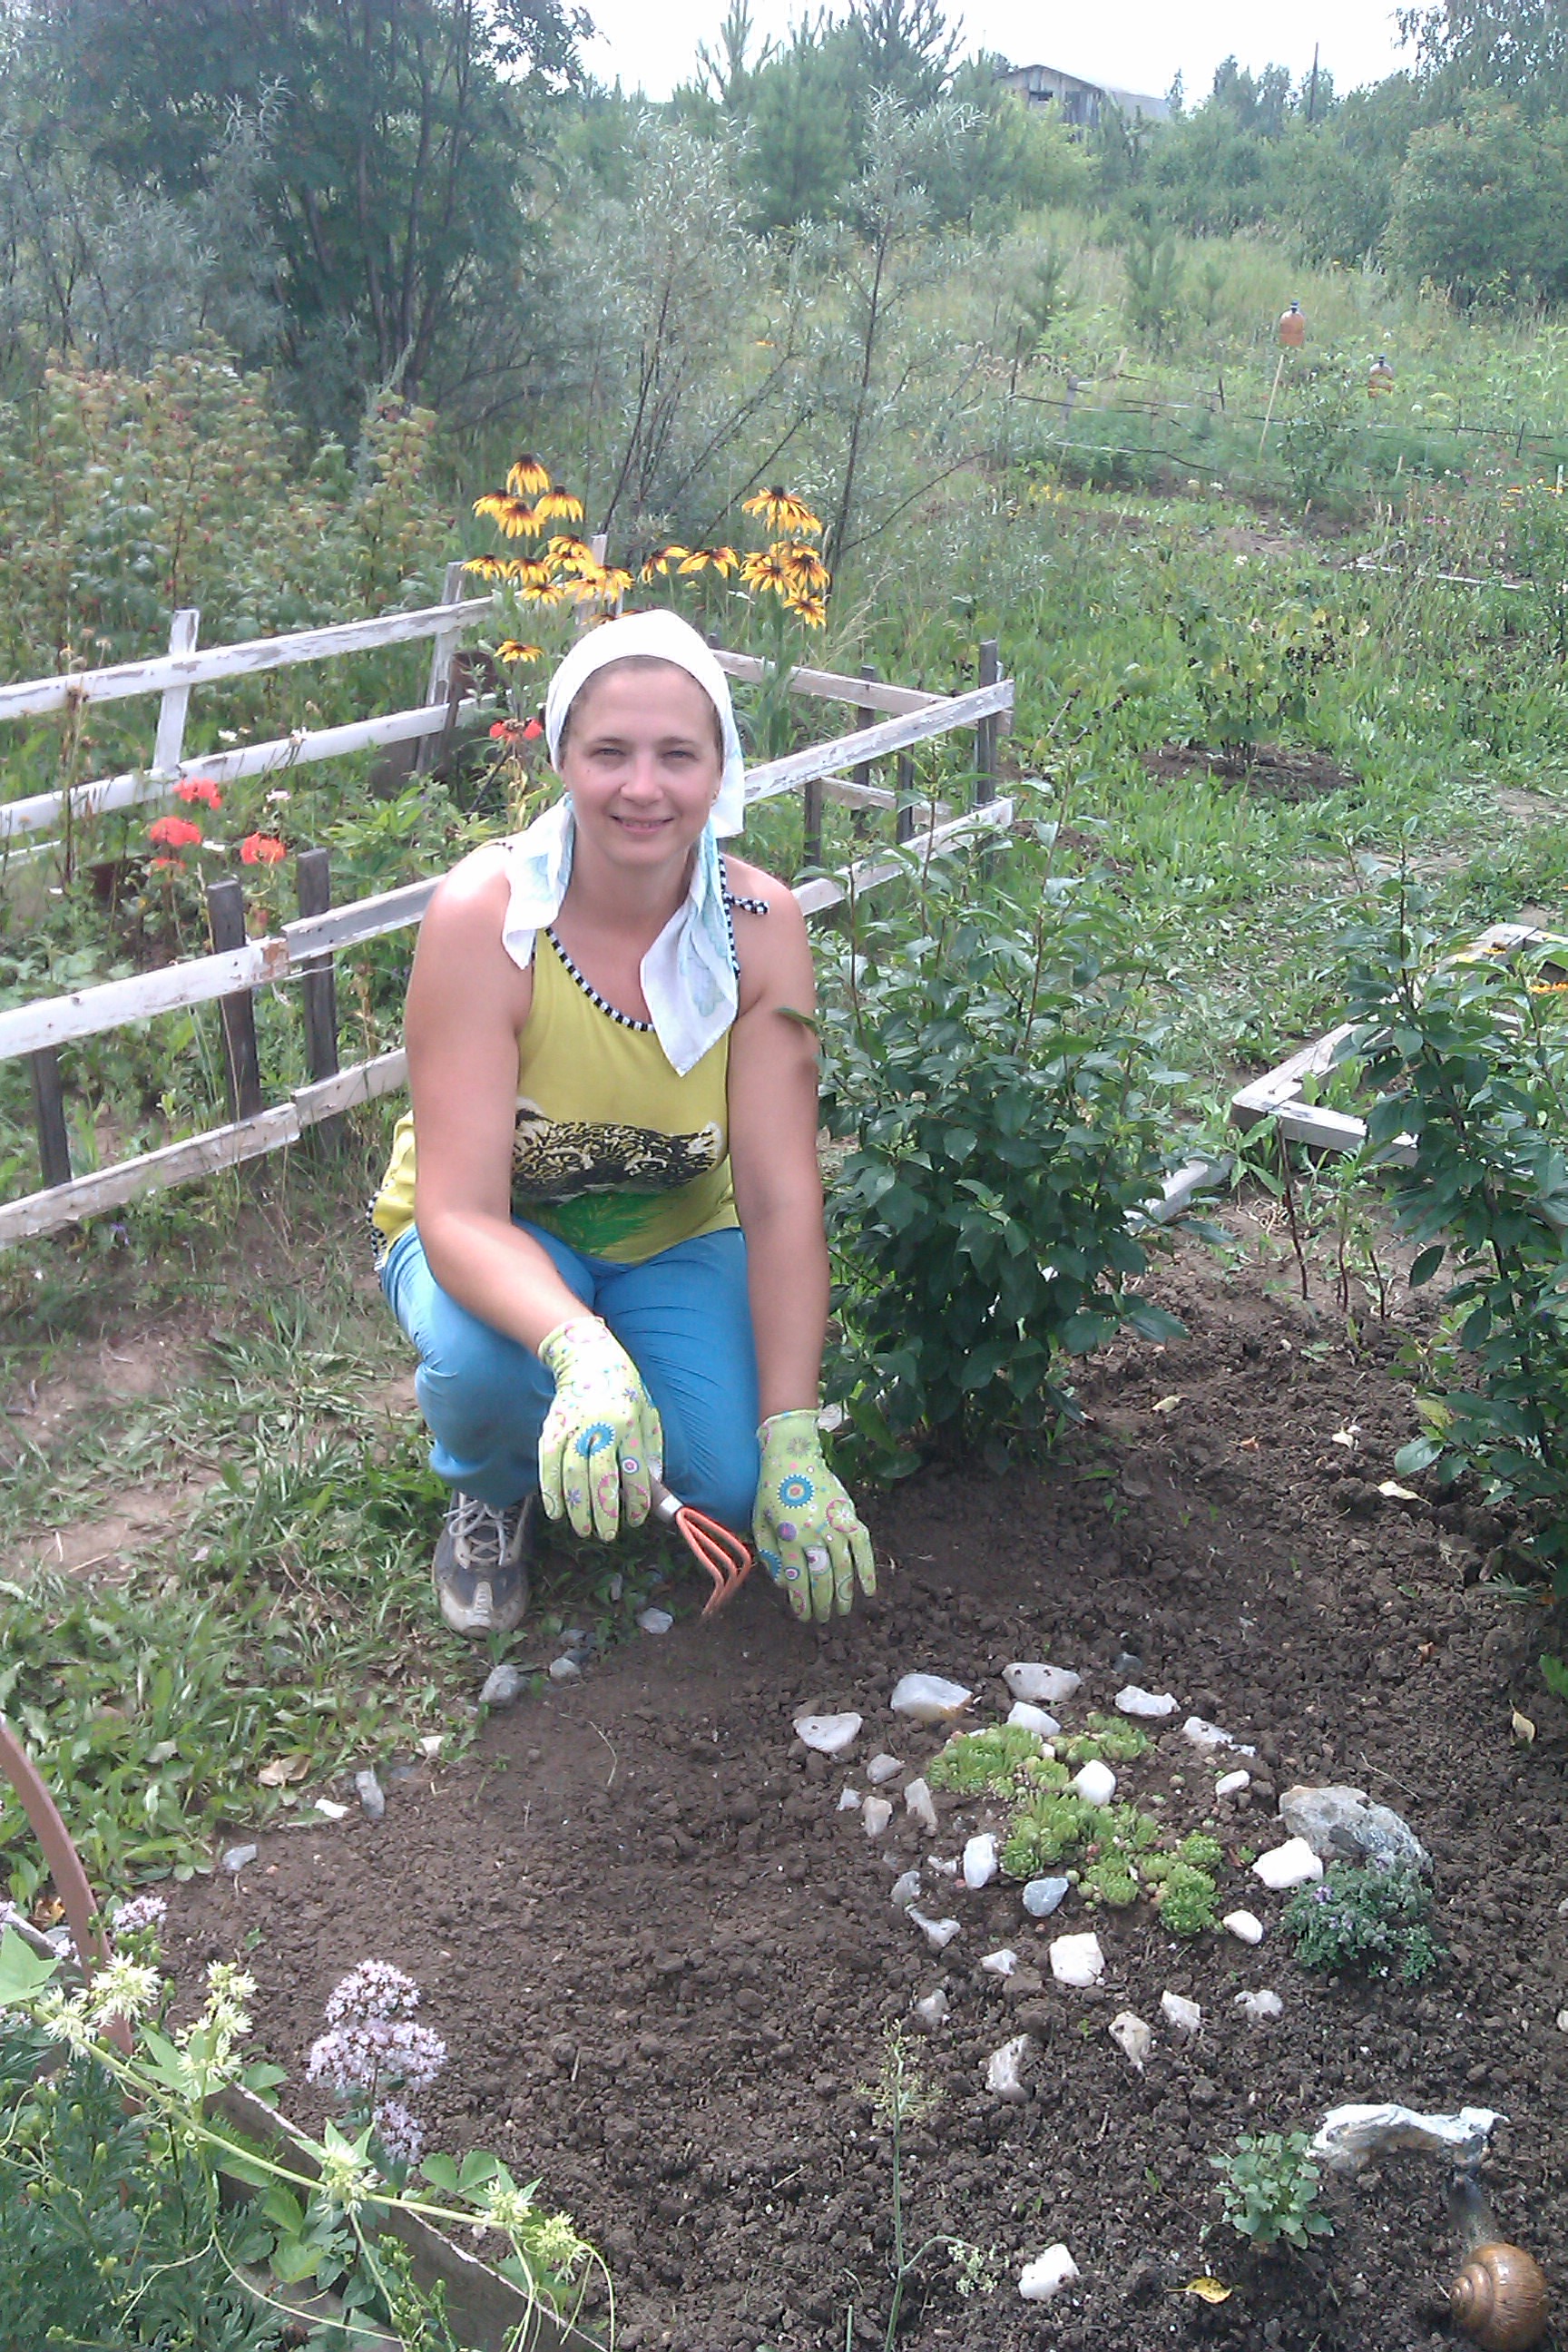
667 1964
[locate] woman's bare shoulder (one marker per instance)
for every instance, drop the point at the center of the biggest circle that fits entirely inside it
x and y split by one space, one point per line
473 891
746 881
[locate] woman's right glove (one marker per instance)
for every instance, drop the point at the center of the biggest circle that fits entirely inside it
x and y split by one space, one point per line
602 1446
808 1533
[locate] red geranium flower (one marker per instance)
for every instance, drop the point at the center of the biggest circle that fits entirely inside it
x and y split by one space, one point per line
174 832
199 788
532 732
262 850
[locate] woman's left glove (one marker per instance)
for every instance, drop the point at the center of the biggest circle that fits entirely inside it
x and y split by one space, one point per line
807 1532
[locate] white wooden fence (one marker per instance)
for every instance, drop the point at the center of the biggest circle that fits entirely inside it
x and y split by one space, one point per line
839 769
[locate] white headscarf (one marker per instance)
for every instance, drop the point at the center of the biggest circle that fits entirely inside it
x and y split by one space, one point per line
689 973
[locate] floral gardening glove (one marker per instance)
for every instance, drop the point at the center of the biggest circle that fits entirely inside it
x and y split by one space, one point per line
807 1532
601 1447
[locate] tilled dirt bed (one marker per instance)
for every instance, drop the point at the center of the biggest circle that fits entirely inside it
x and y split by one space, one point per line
667 1964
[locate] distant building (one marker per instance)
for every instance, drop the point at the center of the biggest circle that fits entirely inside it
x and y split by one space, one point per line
1081 103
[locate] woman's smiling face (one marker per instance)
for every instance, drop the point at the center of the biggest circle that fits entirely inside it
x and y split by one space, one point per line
642 761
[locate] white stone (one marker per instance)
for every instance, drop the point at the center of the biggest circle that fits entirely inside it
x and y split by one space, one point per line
850 1800
334 1812
1291 1864
1230 1784
906 1890
941 1863
1041 1686
1244 1926
933 2010
1260 2005
1033 1718
503 1685
938 1933
1047 2275
918 1801
828 1735
1131 2037
1209 1736
875 1815
431 1744
655 1620
1178 2012
1096 1784
980 1863
1044 1895
1004 2069
371 1797
1078 1960
1003 1963
235 1858
929 1698
882 1767
565 1670
1134 1700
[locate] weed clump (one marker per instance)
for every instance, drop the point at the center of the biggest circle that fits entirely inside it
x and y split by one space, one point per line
1362 1919
1046 1829
1269 2185
1106 1740
978 1761
1186 1897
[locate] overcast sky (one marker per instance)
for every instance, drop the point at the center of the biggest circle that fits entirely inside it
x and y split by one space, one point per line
1132 43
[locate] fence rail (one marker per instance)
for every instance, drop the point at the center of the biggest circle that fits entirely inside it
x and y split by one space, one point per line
304 950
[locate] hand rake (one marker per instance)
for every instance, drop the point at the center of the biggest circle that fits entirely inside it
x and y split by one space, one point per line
726 1557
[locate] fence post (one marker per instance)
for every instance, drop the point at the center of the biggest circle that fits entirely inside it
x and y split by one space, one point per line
438 688
313 876
864 716
225 920
985 730
904 814
49 1116
169 745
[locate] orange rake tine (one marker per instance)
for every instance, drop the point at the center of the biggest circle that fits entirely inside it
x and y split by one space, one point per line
725 1556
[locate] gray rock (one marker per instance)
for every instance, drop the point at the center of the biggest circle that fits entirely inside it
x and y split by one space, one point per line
367 1787
503 1685
235 1857
565 1670
1044 1895
1343 1824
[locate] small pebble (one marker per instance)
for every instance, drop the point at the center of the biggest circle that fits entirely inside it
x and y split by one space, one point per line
1209 1736
1131 2037
1231 1784
1078 1960
1004 2069
655 1620
503 1685
565 1670
929 1698
980 1863
828 1735
1244 1926
367 1787
1044 1895
1040 1685
235 1857
944 1868
906 1890
1179 2011
938 1933
918 1801
850 1800
1260 2005
1563 2021
933 2010
1047 2275
432 1743
1291 1865
1096 1784
616 1587
882 1767
1033 1718
331 1809
875 1815
1134 1700
1001 1963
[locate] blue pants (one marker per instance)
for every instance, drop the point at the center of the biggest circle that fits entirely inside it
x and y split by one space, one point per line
684 1318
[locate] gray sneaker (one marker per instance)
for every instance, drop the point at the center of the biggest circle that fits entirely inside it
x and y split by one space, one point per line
481 1563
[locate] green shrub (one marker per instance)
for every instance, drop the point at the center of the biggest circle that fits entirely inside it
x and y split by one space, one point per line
1362 1919
978 1760
1269 2185
995 1070
1108 1738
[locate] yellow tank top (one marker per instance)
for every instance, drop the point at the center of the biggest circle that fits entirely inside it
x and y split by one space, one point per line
610 1149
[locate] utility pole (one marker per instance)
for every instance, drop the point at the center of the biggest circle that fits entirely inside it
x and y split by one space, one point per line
1312 91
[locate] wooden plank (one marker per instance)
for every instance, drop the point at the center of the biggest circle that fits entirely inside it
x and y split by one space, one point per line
160 671
864 716
170 743
874 742
871 872
319 986
363 1083
362 918
226 915
896 700
49 1117
42 810
985 732
54 1019
904 798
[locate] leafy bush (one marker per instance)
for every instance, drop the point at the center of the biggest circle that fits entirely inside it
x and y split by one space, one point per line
996 1072
1252 675
1269 2185
978 1760
1469 1057
1365 1920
